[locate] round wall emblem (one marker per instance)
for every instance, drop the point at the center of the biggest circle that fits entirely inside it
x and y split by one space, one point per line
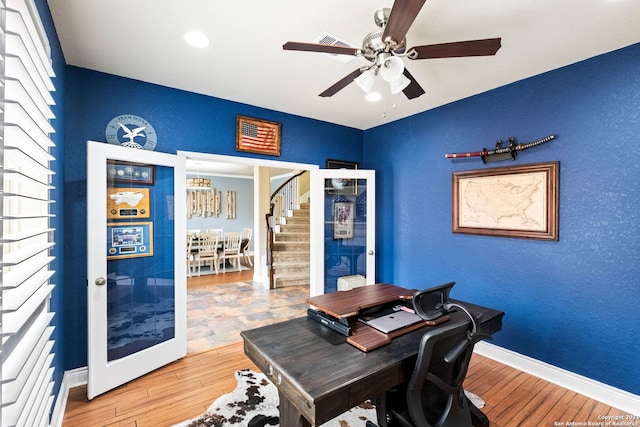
131 131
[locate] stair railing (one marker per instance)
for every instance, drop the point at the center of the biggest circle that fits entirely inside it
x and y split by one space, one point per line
283 199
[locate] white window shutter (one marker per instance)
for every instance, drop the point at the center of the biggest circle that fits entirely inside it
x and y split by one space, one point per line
26 237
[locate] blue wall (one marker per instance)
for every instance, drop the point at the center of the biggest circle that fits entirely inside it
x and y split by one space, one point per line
183 121
572 303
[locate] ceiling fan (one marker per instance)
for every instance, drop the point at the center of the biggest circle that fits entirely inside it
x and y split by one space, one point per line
385 48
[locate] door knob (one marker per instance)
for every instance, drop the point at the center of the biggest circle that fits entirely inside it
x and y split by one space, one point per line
101 281
370 252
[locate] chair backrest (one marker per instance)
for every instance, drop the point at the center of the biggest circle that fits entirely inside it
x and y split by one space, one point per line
246 235
189 245
434 391
208 244
435 397
232 240
193 232
218 231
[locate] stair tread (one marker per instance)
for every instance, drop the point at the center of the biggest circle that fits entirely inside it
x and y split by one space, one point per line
290 258
289 276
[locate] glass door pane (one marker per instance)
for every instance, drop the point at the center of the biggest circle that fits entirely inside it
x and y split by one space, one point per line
140 262
342 229
345 254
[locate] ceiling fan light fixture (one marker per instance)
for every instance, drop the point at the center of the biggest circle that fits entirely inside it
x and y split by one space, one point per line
399 84
366 80
392 67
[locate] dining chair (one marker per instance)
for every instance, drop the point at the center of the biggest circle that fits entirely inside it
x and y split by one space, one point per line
208 251
190 255
219 231
246 239
231 249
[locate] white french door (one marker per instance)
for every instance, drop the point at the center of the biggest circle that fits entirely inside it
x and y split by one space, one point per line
343 234
136 272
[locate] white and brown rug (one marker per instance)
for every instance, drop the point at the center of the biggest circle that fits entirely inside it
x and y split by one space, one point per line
254 403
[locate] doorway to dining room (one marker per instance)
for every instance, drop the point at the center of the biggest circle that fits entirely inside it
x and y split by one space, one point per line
220 306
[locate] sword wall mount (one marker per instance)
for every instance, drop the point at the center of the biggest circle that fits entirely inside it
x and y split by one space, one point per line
500 153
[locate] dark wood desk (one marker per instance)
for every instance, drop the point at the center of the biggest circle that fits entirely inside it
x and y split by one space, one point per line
319 375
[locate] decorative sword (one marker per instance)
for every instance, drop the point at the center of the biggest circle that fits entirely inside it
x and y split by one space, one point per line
500 153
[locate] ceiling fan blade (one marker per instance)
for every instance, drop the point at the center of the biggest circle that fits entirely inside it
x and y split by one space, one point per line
483 47
414 89
402 15
317 47
341 84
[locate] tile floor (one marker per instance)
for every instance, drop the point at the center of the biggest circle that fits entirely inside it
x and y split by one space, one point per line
217 313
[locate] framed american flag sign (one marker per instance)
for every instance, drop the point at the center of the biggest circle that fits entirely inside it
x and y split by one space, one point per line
257 136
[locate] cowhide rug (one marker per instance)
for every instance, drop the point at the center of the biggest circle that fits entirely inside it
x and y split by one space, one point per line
254 403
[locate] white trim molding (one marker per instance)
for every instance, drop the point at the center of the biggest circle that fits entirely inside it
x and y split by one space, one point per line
593 389
70 379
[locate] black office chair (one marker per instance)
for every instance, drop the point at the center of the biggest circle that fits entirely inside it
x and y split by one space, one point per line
434 396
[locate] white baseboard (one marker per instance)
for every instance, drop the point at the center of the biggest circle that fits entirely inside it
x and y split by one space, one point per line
70 379
601 392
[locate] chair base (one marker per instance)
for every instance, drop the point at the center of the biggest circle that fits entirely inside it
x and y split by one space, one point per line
478 418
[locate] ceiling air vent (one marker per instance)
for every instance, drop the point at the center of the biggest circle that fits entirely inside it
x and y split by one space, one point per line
331 40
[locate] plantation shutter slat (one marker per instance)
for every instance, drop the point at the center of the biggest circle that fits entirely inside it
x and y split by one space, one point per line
16 297
35 361
15 133
13 365
14 320
26 236
19 274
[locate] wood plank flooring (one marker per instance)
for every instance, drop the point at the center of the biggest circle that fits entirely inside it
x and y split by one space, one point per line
185 388
174 393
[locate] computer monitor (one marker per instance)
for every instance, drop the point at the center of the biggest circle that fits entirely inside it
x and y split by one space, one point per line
429 303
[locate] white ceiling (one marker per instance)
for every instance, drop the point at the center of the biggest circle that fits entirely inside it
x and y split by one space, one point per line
245 62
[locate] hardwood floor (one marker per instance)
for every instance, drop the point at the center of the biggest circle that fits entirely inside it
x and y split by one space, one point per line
169 395
185 388
204 281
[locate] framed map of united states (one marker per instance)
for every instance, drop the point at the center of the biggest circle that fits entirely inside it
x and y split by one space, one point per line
514 201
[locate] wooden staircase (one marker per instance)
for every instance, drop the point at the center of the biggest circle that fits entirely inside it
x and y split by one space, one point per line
291 249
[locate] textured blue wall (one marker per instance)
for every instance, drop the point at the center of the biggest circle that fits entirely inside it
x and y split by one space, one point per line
183 121
572 303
